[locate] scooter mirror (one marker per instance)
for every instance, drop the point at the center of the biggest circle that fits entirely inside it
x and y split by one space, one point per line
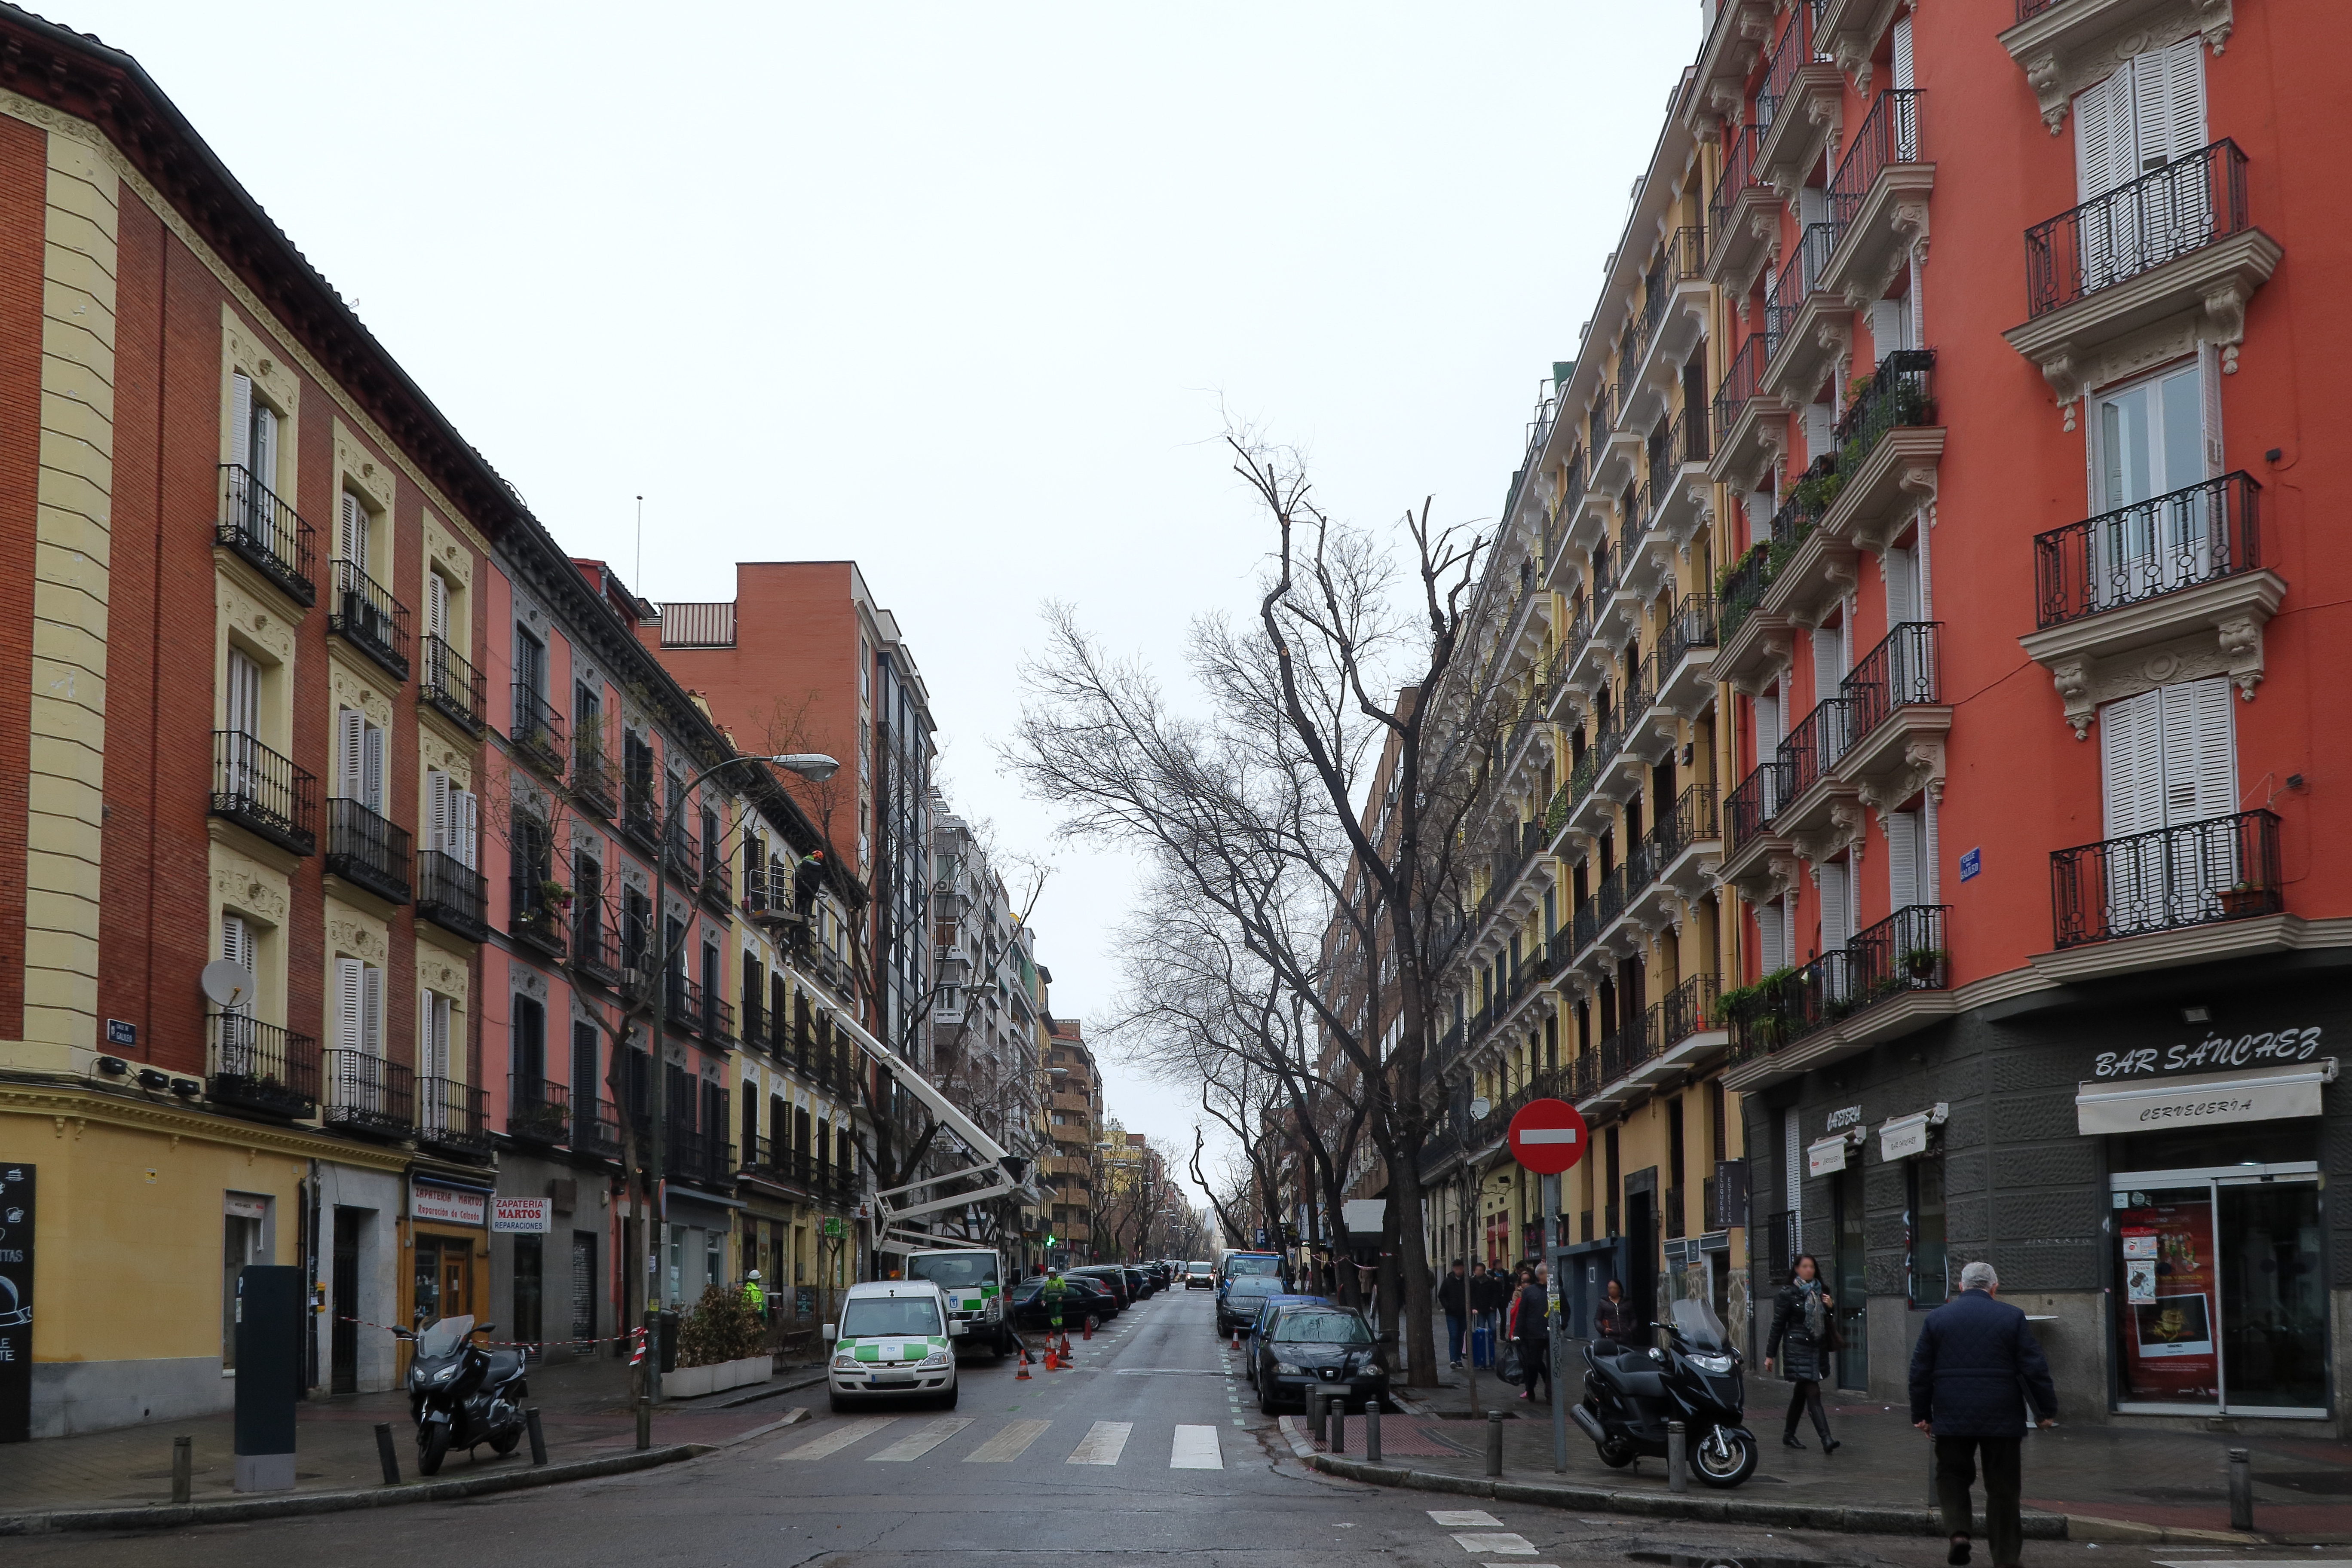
485 1327
829 1335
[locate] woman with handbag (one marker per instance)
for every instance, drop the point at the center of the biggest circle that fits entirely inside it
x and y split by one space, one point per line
1613 1320
1804 1332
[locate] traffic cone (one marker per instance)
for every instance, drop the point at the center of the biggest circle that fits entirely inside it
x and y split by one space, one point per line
1052 1365
1023 1376
1068 1356
1086 1330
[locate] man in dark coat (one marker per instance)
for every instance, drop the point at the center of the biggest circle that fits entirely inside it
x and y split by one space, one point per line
1533 1327
1975 1354
1454 1297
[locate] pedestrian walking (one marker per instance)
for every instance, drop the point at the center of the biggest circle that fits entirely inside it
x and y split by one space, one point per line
1612 1319
1531 1325
1801 1337
1498 1296
1975 1352
1453 1299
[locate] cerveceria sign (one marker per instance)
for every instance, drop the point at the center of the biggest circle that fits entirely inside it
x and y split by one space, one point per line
2214 1053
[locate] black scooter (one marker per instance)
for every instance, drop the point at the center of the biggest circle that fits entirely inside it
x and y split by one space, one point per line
462 1394
1629 1394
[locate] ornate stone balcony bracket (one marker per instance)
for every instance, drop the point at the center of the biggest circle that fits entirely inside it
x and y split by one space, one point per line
2075 43
2213 628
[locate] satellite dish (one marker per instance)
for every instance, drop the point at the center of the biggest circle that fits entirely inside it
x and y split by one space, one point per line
227 983
1478 1107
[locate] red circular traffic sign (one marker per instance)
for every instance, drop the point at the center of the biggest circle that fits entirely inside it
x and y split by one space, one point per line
1548 1136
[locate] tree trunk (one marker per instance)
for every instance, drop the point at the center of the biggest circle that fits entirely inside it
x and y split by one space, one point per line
1412 1257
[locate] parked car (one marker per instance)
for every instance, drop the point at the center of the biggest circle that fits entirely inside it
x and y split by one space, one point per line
1254 1334
1238 1303
892 1339
1111 1276
1140 1282
1082 1300
1319 1346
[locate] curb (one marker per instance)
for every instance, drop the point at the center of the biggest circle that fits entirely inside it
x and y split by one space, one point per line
810 1380
2091 1527
1851 1519
179 1516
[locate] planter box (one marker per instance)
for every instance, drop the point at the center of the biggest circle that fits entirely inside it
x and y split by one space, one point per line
694 1382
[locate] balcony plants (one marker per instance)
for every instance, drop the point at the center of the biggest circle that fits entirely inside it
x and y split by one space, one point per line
1924 963
2244 899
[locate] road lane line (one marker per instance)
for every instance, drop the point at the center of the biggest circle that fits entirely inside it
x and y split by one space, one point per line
1102 1445
1505 1545
841 1437
1195 1449
1009 1444
920 1441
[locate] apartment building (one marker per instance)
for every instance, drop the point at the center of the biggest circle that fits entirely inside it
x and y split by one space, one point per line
2024 642
1073 1118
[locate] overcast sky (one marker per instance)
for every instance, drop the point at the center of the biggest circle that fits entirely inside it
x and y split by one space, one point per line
962 291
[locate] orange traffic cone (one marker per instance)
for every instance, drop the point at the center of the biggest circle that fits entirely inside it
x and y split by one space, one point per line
1051 1364
1068 1356
1023 1376
1237 1340
1086 1330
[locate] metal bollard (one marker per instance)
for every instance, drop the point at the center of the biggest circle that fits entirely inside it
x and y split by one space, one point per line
1338 1404
183 1468
1372 1430
537 1437
2242 1490
385 1452
1494 1442
644 1421
1678 1469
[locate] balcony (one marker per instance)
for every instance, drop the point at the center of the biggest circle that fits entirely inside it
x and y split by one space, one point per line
1749 427
1797 105
538 1110
592 777
2172 245
1806 326
683 1002
638 819
1743 214
1748 813
1878 199
1613 466
260 1067
2184 569
1831 998
264 792
1677 480
683 853
1888 448
718 1021
700 1157
264 533
537 731
1896 716
1809 568
363 615
367 851
1809 759
366 1094
452 895
453 688
451 1119
595 952
2198 874
536 912
598 1130
1680 665
1674 317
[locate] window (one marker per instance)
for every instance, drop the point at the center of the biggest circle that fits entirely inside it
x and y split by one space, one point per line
527 1048
359 1006
243 714
237 946
437 594
435 1014
359 759
2168 756
351 532
530 663
452 820
253 441
2149 114
587 1082
244 1238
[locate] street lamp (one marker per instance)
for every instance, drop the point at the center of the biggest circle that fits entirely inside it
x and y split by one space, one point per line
814 766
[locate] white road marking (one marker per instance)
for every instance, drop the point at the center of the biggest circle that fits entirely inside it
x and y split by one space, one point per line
1102 1445
840 1437
920 1441
1009 1444
1505 1545
1464 1518
1195 1450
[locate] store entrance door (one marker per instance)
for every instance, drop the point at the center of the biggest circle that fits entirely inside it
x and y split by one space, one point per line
445 1275
2224 1307
1851 1284
343 1338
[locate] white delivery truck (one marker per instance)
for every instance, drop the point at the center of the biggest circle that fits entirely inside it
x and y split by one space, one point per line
973 1281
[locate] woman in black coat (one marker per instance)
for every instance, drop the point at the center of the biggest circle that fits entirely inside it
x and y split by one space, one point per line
1800 1339
1612 1319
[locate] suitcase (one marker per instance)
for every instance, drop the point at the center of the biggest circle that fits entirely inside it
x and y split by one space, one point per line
1482 1347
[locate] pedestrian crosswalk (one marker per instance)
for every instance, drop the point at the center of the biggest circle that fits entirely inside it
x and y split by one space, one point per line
889 1439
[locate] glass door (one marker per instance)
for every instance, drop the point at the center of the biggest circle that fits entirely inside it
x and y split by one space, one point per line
1851 1285
2274 1302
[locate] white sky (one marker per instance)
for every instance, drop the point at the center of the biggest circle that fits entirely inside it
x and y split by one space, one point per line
959 290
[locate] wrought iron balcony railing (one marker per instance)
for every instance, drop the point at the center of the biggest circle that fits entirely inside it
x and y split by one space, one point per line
2161 216
1902 952
538 1110
1889 134
2200 873
267 534
1901 393
2209 531
1753 804
1790 51
455 688
592 777
1733 392
366 1093
1900 671
1739 175
361 611
451 1117
452 895
535 913
537 729
367 850
1800 276
258 789
261 1066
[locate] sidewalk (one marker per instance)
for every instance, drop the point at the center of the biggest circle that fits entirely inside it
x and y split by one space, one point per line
2174 1482
583 1408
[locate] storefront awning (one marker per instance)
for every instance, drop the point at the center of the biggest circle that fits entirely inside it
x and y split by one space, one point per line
2201 1099
1901 1137
1827 1156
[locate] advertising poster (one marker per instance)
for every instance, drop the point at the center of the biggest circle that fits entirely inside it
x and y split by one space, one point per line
15 1303
2167 1318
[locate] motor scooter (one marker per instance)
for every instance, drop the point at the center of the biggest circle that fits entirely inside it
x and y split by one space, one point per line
462 1394
1629 1394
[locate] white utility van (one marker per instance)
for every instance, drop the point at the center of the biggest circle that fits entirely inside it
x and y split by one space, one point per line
973 1281
893 1340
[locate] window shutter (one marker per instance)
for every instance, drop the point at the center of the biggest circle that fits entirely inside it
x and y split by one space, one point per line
436 811
1827 672
2131 760
244 695
263 452
351 752
236 946
2097 134
468 829
372 767
1835 907
1931 866
2209 392
2147 144
1902 61
1902 586
1793 1173
349 1002
240 419
2184 97
1902 859
1819 427
372 1010
1885 329
2201 762
350 539
437 604
1768 937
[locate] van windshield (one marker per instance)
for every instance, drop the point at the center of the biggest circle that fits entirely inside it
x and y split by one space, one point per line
954 1270
1248 1263
873 1317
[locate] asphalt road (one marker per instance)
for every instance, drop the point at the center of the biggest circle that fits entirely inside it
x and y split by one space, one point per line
1151 1448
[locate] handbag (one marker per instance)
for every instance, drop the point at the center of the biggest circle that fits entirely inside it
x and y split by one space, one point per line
1835 1339
1507 1366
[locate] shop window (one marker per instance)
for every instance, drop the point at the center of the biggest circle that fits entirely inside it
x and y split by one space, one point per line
1928 1264
244 1238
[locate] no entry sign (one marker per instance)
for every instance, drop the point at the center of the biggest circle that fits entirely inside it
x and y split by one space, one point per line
1548 1136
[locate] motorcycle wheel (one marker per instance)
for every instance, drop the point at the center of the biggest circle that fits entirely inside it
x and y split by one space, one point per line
432 1448
1733 1464
1616 1454
505 1445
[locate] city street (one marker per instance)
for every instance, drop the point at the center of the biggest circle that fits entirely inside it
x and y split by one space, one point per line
1151 1446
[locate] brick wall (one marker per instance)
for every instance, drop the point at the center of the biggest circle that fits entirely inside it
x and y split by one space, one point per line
23 172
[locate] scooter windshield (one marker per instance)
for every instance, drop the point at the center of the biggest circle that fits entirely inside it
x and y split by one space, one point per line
1701 1330
442 1338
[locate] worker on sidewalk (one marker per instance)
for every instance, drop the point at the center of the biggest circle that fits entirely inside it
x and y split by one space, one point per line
754 1297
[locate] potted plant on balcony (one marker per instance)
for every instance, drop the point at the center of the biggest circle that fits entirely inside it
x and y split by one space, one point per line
2244 899
555 894
1924 963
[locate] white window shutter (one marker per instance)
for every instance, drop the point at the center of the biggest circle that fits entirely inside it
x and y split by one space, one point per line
351 537
1902 586
244 694
264 446
2184 97
1901 54
236 946
351 752
1826 671
437 604
350 992
1771 955
2098 134
2201 760
2209 392
372 1010
240 420
1835 933
2149 145
1885 329
468 827
372 767
1820 428
436 810
2131 760
1902 859
1931 864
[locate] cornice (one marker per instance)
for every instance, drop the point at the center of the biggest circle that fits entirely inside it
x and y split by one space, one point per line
74 1107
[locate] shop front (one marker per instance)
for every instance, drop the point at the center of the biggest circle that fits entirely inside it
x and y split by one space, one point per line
448 1237
695 1250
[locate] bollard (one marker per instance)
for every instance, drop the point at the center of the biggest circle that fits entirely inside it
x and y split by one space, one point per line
183 1468
1338 1404
2242 1490
1494 1442
385 1452
1677 1468
1372 1430
537 1437
1318 1417
644 1421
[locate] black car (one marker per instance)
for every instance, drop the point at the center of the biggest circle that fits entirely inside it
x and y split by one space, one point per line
1110 1276
1238 1303
1081 1299
1140 1281
1314 1346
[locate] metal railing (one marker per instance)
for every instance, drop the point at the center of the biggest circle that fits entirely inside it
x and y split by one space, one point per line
452 895
2137 227
1739 175
538 1110
537 729
2200 873
1800 278
361 610
1737 388
1688 1009
1742 590
1901 393
592 777
1889 134
2201 533
1902 952
1794 49
1691 625
595 951
1815 744
696 1155
1755 802
598 1130
531 915
366 1093
454 686
365 849
266 532
261 1066
1803 505
1586 924
1900 671
256 787
685 1001
452 1116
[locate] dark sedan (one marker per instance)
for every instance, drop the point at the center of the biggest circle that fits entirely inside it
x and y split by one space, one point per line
1081 1299
1109 1276
1238 1303
1317 1347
